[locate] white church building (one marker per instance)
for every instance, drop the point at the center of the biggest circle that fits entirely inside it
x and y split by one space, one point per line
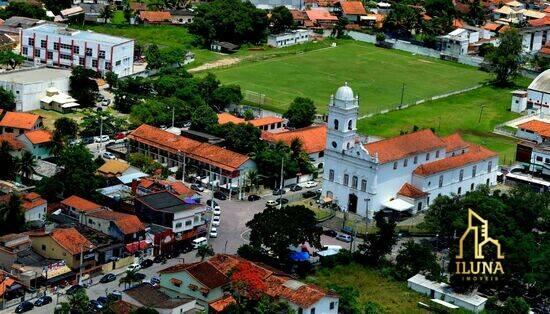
403 173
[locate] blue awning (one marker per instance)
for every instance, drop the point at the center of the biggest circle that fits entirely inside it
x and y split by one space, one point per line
299 256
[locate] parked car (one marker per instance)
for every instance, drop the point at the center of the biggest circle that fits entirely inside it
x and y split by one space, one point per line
344 237
159 259
217 211
253 197
95 306
102 300
330 233
114 296
133 267
101 139
295 187
140 276
119 136
43 300
271 203
214 232
72 290
197 187
216 221
86 140
24 306
186 248
109 155
107 278
279 191
219 195
309 194
310 184
282 201
146 263
212 204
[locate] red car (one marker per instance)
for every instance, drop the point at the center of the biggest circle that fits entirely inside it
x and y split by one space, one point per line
119 136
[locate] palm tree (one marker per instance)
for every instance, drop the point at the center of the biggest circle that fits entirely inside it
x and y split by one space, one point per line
252 177
204 251
25 165
129 279
7 170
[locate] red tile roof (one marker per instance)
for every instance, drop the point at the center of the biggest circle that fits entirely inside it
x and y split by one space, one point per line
411 191
32 200
122 307
176 187
298 15
319 14
155 16
79 203
265 121
226 117
474 154
405 145
454 142
39 136
490 26
537 126
221 304
353 8
544 21
313 138
204 152
71 240
203 272
126 223
10 138
19 120
137 6
458 23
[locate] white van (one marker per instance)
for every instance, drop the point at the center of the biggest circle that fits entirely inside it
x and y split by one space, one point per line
199 241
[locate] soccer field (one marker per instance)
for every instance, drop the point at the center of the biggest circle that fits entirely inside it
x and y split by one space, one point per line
376 74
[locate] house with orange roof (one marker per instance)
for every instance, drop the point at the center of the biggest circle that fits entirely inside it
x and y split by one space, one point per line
207 280
65 244
32 203
155 17
20 122
402 174
10 287
267 123
37 142
222 167
125 227
76 207
321 17
533 151
353 10
14 143
151 185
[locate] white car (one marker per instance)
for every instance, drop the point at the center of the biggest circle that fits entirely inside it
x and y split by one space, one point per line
271 203
214 232
133 267
215 221
108 155
101 139
217 211
310 184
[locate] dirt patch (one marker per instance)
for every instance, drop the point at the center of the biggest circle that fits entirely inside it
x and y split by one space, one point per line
216 64
425 61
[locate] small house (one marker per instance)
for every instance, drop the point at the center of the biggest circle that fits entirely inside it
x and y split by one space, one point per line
224 46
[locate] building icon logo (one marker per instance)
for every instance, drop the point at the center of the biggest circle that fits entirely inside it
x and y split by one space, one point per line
479 266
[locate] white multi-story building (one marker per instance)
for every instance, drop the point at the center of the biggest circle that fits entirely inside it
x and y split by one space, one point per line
402 173
61 46
288 39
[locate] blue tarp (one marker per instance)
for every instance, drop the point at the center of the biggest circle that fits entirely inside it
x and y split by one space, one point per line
299 256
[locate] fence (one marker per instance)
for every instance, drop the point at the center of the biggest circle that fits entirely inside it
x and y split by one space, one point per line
262 101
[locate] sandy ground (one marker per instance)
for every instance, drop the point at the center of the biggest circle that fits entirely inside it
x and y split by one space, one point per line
216 64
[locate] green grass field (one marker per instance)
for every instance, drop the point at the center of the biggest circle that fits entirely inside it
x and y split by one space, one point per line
459 113
392 296
376 74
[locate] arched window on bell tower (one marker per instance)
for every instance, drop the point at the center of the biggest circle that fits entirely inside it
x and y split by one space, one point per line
336 124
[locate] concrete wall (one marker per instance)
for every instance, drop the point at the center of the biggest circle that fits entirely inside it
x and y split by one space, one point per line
27 96
37 213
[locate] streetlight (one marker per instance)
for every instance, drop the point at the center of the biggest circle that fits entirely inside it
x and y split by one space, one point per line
81 261
367 220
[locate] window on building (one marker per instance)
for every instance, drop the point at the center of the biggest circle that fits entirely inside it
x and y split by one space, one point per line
354 182
76 49
321 154
419 206
459 191
188 223
547 160
43 247
25 51
312 310
66 46
440 180
427 156
331 175
346 179
395 165
472 186
64 56
415 160
95 63
350 125
428 201
461 175
49 54
489 166
31 41
538 158
336 124
108 65
331 306
37 53
118 63
101 54
437 154
300 311
363 185
43 44
178 225
81 61
474 170
89 52
488 182
90 221
55 46
405 162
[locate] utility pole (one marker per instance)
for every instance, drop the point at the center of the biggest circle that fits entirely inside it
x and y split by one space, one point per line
281 185
480 113
402 93
80 266
173 114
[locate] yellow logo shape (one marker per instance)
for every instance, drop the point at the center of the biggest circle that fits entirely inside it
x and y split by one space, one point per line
475 228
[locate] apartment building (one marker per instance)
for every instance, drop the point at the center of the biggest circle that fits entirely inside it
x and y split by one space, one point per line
59 45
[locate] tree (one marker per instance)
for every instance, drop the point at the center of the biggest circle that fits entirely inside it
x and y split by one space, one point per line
7 100
94 121
158 111
130 277
7 171
348 303
339 29
146 163
26 9
279 228
25 165
207 86
301 112
376 246
12 216
247 281
268 159
402 18
131 91
515 306
414 258
77 171
153 57
266 305
253 178
443 217
243 138
11 59
505 61
205 250
225 96
248 115
280 20
57 5
106 13
202 118
371 307
83 88
79 301
229 20
66 127
112 79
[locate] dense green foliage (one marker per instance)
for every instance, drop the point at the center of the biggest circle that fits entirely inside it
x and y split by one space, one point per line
301 113
83 86
506 59
7 100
